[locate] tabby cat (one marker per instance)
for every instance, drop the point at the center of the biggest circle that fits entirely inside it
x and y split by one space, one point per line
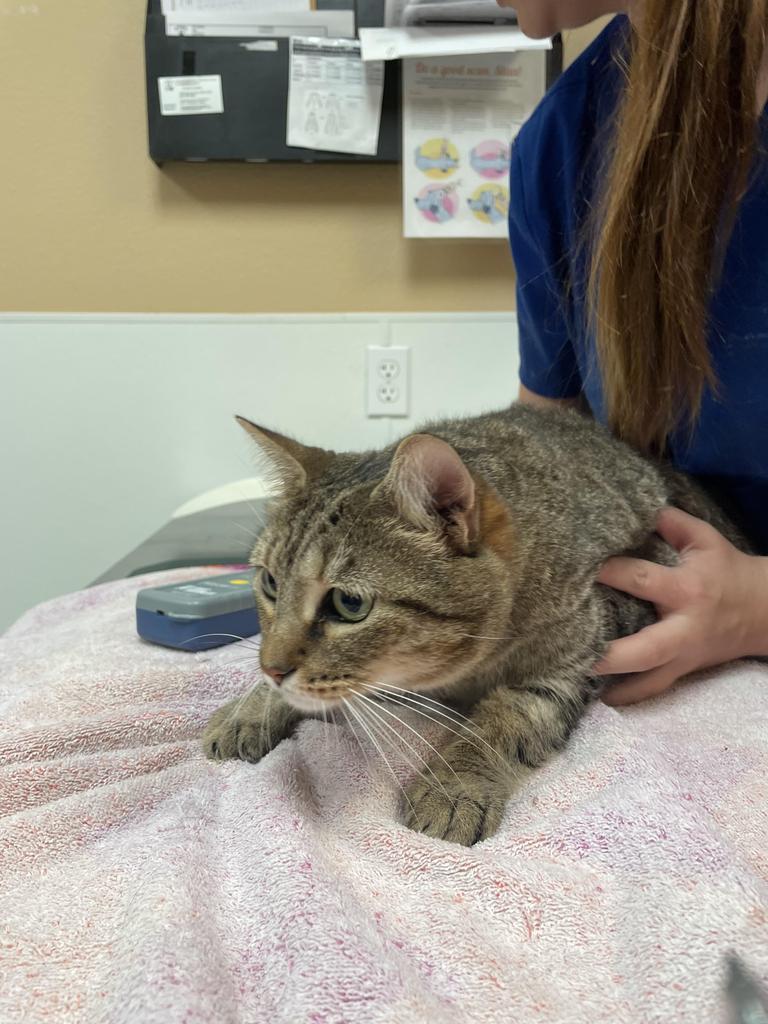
457 566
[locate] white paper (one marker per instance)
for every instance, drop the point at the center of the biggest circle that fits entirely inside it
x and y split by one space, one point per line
190 94
334 99
211 8
413 12
261 46
273 23
445 41
460 115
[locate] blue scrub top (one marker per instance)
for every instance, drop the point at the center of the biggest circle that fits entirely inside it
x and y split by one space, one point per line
555 164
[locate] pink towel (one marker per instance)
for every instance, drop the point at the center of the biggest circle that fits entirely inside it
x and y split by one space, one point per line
140 883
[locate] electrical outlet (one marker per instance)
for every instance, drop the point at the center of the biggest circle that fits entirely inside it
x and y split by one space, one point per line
388 383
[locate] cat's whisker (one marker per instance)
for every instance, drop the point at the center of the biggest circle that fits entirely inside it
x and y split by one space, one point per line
244 659
373 740
444 711
244 553
249 650
249 659
459 735
434 705
415 704
258 514
246 695
418 734
265 719
236 709
249 645
454 732
231 636
253 534
383 687
345 538
351 727
375 726
336 737
374 716
359 742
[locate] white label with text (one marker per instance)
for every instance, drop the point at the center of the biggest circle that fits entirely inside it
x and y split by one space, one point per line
191 94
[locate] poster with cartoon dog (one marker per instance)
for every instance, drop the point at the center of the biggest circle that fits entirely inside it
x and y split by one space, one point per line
460 117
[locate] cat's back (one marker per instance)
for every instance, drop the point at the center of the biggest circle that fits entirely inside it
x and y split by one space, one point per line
561 455
522 446
562 474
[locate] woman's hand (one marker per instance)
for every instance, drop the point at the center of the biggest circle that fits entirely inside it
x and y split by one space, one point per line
712 608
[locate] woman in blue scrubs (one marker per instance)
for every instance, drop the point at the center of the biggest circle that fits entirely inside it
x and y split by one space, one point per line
639 229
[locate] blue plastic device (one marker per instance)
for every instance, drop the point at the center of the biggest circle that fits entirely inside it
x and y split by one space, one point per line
198 614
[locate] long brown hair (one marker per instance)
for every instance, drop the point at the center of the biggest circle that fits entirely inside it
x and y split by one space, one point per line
682 153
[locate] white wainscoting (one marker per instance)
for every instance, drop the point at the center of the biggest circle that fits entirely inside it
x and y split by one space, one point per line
111 422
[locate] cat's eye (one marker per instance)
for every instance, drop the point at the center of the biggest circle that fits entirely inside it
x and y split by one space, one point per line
268 584
350 607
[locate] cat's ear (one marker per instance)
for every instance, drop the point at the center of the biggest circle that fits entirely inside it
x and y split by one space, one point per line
434 490
293 463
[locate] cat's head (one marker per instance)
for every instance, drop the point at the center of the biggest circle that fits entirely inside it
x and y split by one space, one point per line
384 568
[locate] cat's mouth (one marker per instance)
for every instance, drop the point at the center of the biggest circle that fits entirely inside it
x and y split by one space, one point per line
315 694
307 703
330 695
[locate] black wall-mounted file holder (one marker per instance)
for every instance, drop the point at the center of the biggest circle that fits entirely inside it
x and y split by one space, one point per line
255 87
252 126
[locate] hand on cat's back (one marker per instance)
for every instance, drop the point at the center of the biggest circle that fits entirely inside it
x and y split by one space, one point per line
712 608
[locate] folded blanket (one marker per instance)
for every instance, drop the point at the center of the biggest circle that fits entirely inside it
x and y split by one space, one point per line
141 883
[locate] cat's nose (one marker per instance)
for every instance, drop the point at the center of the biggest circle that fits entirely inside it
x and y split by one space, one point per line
276 674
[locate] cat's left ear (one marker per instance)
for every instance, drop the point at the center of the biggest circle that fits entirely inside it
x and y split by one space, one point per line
293 463
434 490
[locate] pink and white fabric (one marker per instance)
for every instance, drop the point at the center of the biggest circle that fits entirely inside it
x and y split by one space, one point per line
140 883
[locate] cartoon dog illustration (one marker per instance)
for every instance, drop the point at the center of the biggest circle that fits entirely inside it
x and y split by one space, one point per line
494 163
490 203
443 162
433 204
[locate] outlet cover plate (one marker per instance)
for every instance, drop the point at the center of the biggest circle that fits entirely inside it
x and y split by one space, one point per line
387 386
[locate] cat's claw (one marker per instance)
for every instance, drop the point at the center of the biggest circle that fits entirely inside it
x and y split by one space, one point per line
246 731
459 808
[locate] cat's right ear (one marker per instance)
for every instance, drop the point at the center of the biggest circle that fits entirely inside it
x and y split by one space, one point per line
434 490
293 464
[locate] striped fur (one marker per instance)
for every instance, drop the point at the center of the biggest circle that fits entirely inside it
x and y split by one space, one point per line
480 559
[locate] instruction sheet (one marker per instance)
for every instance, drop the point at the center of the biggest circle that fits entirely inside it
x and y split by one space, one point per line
334 99
254 18
460 115
274 24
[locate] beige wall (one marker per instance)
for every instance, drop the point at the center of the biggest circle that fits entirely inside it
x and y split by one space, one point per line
90 224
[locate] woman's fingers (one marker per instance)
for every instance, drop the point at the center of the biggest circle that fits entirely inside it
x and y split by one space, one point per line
650 648
691 599
643 685
683 531
657 584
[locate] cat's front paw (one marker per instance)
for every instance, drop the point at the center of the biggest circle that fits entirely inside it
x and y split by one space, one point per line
461 807
247 729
